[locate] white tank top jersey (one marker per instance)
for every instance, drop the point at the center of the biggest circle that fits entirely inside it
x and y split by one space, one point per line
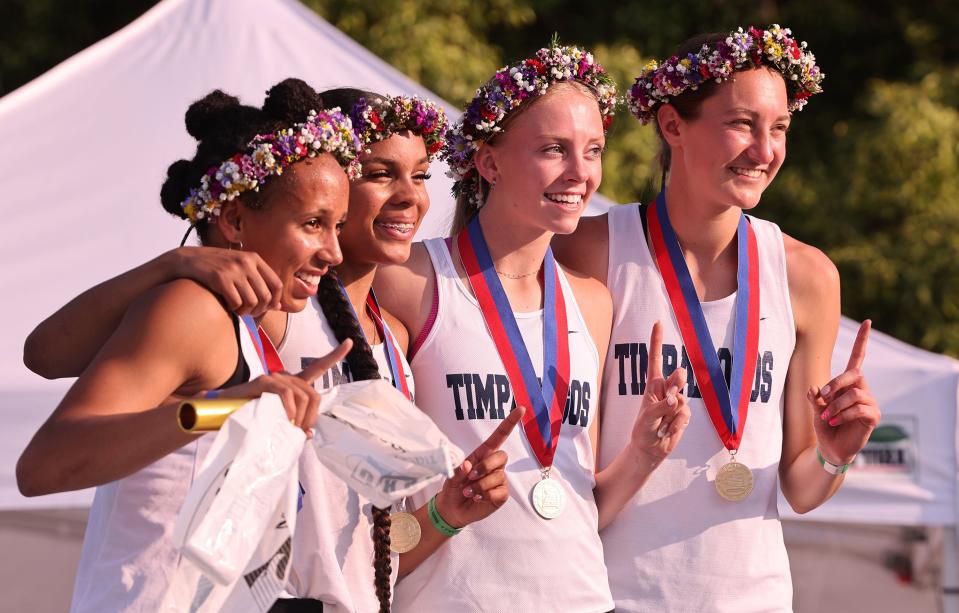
677 545
332 546
513 560
128 560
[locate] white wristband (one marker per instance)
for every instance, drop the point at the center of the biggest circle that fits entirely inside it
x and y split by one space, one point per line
829 467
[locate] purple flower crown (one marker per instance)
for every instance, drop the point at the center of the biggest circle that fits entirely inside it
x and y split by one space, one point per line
505 92
774 47
378 119
326 131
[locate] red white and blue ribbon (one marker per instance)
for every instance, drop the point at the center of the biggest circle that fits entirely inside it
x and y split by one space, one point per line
727 408
269 358
393 356
544 403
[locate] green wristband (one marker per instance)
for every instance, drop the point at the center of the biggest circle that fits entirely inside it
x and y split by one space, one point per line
829 467
437 520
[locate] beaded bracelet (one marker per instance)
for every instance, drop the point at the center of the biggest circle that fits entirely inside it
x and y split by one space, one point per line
438 522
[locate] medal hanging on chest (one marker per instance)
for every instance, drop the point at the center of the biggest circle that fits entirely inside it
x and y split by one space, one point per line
405 530
727 407
544 402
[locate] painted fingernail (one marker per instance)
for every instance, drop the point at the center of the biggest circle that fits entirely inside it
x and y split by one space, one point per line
824 391
474 474
834 422
824 416
468 492
477 498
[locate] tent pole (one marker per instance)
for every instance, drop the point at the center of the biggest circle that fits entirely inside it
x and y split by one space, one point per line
950 570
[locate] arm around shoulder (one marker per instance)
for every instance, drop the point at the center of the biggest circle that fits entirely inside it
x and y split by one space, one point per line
175 339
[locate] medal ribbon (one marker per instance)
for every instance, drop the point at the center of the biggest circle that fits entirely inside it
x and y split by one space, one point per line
264 347
392 349
727 408
545 403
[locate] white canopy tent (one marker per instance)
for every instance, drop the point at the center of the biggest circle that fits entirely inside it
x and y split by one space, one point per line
87 147
89 143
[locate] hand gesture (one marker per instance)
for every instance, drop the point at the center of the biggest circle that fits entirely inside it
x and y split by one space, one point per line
246 283
846 412
664 412
300 398
478 487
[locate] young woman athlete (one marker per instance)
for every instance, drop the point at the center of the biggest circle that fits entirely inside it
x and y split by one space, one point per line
752 312
116 427
498 323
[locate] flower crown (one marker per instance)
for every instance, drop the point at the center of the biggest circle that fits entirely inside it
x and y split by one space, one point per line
381 118
775 48
506 92
327 131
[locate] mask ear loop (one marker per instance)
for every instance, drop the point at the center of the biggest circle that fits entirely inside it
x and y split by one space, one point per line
187 235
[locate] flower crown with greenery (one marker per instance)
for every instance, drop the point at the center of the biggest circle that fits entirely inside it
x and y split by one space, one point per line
774 47
509 88
380 118
326 131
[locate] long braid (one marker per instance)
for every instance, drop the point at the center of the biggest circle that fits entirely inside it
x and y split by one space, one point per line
363 366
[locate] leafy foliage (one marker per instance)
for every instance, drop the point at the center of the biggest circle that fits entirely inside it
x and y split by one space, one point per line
872 175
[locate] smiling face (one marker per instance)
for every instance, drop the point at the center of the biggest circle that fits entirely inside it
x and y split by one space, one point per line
735 146
295 230
388 202
548 161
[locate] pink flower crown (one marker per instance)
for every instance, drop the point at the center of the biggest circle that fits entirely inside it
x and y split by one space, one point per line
505 92
775 48
378 119
326 131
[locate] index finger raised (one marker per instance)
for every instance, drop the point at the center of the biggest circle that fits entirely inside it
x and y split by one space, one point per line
316 368
655 369
858 353
504 429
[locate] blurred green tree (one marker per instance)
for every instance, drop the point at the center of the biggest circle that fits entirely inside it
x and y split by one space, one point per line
872 174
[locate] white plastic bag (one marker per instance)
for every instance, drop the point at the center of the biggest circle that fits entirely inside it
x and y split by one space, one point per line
235 527
379 443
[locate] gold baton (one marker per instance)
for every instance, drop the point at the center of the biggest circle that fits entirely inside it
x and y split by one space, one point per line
206 415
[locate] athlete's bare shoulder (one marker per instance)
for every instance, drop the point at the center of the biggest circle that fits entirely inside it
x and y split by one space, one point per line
813 280
587 249
406 290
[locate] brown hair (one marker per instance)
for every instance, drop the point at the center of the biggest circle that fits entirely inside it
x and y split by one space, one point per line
688 103
363 366
465 208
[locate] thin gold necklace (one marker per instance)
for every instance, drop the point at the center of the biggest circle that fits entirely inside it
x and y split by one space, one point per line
519 276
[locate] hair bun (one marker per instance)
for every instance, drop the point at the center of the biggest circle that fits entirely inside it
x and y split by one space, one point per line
179 180
290 100
208 115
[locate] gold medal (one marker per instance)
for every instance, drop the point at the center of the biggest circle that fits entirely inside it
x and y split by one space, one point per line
734 481
404 532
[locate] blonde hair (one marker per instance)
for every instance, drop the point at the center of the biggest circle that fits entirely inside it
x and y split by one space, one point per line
465 208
